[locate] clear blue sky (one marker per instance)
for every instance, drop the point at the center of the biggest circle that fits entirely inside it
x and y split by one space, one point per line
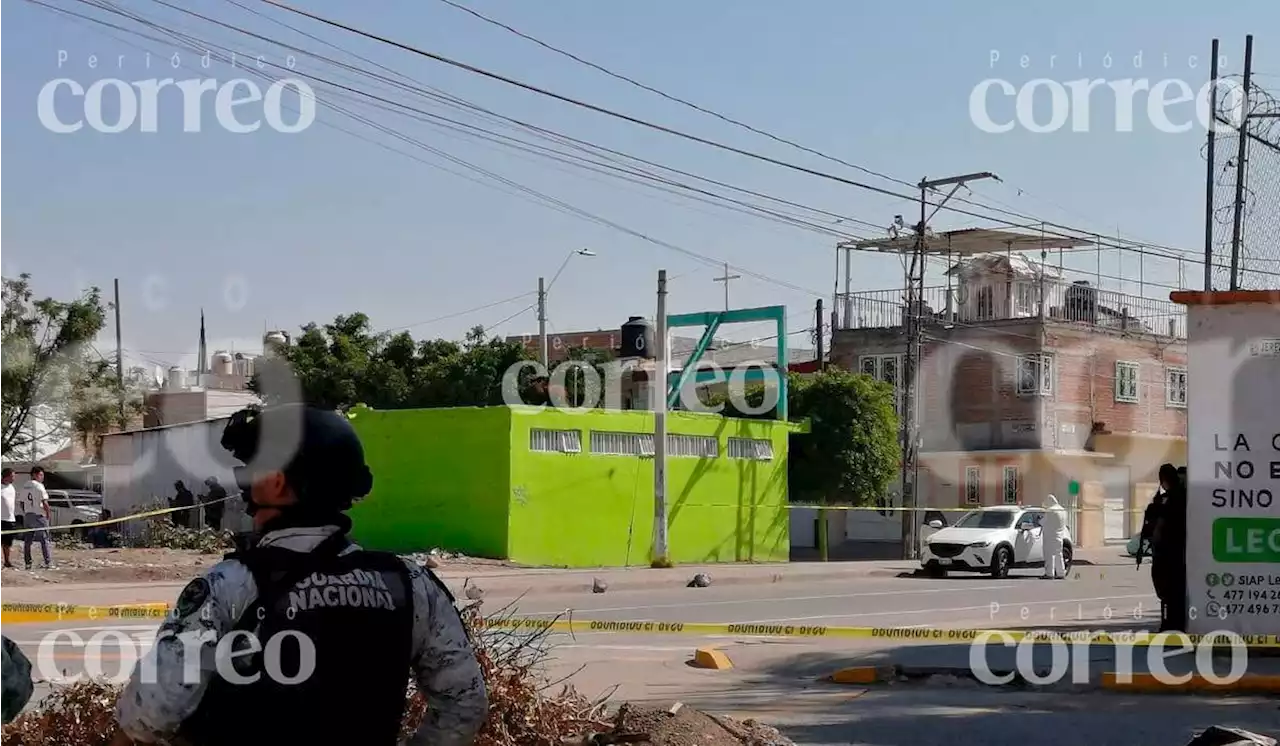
322 222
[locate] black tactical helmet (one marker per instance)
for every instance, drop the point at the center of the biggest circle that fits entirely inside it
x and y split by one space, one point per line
317 450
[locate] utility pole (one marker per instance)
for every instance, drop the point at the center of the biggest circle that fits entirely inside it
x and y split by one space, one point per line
822 361
659 392
727 277
1242 152
542 321
1209 173
119 356
914 330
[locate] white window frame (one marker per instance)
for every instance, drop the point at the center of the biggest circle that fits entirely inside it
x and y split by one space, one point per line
753 449
542 440
985 303
606 443
692 446
1171 392
972 478
1024 297
1045 374
1005 483
1135 368
878 366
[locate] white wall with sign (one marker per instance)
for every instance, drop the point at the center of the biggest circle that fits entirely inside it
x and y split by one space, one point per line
1233 519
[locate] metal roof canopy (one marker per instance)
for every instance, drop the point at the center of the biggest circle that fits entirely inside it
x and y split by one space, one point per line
968 242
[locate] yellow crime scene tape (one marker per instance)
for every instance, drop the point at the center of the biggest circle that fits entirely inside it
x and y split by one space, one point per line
34 613
112 521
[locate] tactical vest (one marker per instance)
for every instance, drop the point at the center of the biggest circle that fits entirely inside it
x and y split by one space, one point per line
357 612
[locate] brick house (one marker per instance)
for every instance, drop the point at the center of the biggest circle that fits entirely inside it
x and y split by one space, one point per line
1028 382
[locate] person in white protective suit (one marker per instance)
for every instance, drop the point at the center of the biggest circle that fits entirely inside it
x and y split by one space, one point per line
1054 531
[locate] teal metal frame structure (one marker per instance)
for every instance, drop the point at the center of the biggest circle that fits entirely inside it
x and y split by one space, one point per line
711 321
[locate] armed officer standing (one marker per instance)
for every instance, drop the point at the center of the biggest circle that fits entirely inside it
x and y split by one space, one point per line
325 633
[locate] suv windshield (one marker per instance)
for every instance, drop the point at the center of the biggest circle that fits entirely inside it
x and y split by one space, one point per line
987 519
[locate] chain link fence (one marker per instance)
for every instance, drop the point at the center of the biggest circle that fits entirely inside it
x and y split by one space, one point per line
1257 263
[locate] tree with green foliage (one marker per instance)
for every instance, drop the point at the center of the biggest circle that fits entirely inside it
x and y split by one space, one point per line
346 362
852 450
55 384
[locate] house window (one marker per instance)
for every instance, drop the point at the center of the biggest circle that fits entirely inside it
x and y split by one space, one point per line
972 485
750 448
1011 485
885 368
1035 374
1127 382
1175 387
621 444
555 441
986 302
1024 297
693 446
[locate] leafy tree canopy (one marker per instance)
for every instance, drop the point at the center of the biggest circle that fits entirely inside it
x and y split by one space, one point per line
55 384
852 451
346 362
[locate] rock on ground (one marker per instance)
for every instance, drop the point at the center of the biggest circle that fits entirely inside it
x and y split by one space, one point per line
689 727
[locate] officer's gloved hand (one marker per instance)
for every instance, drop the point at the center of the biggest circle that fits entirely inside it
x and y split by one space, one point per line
16 685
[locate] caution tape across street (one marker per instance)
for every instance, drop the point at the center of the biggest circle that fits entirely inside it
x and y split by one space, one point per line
921 634
113 521
35 613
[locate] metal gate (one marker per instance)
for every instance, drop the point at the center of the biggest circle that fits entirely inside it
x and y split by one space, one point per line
1115 503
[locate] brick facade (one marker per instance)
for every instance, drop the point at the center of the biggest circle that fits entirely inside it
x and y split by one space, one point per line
978 390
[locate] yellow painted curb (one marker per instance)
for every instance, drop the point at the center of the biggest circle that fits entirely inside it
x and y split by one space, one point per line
711 658
856 675
1146 682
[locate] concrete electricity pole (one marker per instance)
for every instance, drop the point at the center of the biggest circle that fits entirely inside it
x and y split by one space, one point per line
915 328
542 300
119 356
659 392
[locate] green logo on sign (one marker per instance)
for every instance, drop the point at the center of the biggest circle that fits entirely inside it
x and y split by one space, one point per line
1246 540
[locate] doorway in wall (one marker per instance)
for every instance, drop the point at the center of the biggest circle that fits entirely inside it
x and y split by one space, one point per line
1116 494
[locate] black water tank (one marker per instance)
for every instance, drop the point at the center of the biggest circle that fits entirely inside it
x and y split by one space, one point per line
1082 302
637 339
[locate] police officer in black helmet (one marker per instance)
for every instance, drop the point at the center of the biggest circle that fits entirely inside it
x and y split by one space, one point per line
304 638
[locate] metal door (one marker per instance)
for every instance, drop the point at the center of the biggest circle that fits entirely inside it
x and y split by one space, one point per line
1115 503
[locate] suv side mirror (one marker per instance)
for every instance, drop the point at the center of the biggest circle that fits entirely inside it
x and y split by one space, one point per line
935 523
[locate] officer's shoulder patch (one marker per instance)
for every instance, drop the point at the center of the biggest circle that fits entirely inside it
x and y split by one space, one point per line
192 598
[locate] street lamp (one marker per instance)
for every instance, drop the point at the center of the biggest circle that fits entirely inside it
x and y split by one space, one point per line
542 300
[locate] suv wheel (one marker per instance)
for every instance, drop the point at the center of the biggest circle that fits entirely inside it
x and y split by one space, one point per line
1066 558
1000 562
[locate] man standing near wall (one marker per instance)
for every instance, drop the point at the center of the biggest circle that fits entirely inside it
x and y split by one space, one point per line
8 514
35 517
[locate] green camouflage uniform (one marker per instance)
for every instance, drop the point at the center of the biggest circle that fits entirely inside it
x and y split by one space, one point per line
16 685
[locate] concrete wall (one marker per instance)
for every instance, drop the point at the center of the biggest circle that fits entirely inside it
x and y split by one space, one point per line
441 479
140 467
590 509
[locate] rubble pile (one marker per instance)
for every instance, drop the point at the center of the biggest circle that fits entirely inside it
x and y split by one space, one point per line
521 711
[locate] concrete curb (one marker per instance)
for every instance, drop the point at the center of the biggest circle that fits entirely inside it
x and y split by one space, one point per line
1135 683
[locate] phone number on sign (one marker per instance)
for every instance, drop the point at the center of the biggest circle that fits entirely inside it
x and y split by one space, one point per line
1231 609
1243 595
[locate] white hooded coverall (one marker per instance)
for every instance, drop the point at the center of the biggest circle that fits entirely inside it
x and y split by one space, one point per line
1054 531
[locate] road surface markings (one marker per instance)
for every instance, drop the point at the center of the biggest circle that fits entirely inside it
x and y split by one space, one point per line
984 607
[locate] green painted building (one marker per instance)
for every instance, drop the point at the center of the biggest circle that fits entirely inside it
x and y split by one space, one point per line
547 487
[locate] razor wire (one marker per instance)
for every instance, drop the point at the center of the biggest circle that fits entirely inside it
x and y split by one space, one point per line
1258 260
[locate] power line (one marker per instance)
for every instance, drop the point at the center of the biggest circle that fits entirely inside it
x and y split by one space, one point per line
702 140
387 130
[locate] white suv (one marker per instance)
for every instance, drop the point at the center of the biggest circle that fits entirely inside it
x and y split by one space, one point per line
994 539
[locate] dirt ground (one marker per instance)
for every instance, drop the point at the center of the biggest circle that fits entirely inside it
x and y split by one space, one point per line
689 727
87 565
